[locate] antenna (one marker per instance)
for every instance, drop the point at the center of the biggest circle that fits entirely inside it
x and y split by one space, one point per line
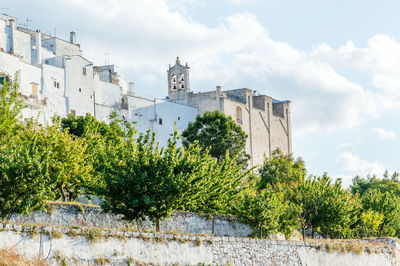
2 11
55 31
28 20
106 57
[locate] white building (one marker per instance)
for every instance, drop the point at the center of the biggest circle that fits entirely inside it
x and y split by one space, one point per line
55 78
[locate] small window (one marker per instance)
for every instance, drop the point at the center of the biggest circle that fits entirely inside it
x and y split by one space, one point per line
160 121
80 90
239 115
4 79
73 112
56 84
35 90
179 118
84 71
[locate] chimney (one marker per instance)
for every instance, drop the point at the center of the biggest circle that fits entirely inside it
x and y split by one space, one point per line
131 86
12 32
38 47
72 37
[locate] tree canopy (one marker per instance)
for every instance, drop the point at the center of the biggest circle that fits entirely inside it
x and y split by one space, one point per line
219 134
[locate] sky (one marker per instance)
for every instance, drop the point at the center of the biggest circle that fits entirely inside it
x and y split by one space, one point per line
337 61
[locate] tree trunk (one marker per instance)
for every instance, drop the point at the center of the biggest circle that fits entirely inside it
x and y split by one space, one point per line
304 232
60 187
158 225
213 224
260 231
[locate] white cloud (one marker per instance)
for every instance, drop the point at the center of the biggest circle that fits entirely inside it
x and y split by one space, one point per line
384 134
350 143
354 165
144 36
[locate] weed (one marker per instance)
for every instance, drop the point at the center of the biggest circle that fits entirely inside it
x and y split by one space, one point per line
197 242
34 232
56 234
73 233
93 235
60 258
102 261
210 242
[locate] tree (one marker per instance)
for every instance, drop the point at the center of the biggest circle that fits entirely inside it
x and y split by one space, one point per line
262 210
140 179
218 133
370 222
326 208
388 205
10 109
389 183
281 168
69 164
25 182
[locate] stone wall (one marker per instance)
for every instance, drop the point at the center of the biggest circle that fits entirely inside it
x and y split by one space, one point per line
63 246
183 222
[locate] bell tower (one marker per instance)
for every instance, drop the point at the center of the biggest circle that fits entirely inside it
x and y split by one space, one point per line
178 82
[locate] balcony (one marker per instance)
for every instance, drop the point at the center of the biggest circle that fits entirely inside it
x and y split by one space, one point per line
34 101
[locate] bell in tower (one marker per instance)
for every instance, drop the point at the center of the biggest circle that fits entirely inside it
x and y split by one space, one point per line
178 82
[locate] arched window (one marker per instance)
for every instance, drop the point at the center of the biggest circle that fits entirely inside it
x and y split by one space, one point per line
239 115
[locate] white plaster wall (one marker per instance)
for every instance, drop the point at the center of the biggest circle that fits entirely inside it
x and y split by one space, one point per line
80 101
108 94
3 35
66 48
56 102
147 114
183 250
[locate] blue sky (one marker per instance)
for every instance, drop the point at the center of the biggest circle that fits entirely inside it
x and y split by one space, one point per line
337 61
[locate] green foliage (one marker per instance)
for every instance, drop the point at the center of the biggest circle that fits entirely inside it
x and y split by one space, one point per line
389 183
24 173
326 208
371 221
386 204
218 133
140 179
281 168
10 109
69 167
262 210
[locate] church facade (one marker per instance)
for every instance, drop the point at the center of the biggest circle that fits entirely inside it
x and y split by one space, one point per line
55 79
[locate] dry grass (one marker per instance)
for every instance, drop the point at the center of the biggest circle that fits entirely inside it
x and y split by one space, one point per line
8 257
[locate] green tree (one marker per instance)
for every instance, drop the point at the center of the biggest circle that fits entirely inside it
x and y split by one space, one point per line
69 164
281 168
10 109
370 222
262 210
218 133
386 204
389 183
326 208
140 179
25 182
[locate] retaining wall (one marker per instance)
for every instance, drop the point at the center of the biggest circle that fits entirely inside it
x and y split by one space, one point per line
121 248
182 222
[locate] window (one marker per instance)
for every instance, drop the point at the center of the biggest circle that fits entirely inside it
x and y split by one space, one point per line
84 71
179 118
56 84
239 115
35 90
80 90
4 79
160 121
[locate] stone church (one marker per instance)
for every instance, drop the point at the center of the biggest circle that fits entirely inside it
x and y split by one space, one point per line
265 120
56 79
